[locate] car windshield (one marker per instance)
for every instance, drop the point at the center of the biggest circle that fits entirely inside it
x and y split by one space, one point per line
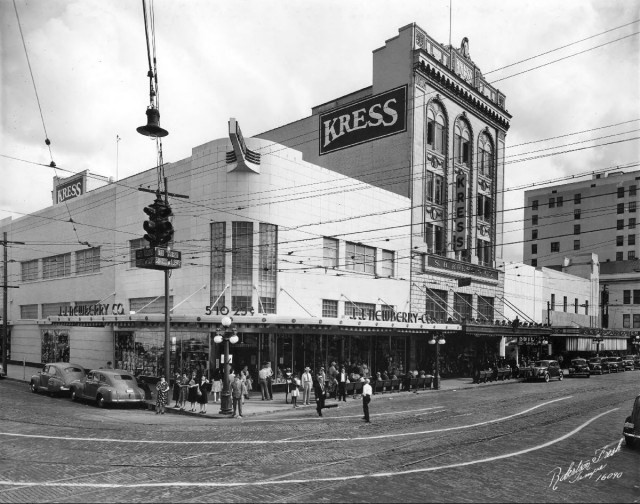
579 361
541 363
72 369
595 361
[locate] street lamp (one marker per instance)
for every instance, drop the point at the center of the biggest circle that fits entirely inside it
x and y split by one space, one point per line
228 336
437 343
597 341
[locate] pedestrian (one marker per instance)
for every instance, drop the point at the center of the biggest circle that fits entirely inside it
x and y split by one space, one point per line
192 396
366 399
270 381
287 385
109 365
295 392
318 389
238 390
263 374
162 395
176 390
203 394
216 385
247 380
343 379
184 391
307 381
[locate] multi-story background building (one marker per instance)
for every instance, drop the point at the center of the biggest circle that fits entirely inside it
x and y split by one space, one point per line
596 216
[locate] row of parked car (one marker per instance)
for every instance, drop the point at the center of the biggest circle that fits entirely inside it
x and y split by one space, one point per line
102 386
602 365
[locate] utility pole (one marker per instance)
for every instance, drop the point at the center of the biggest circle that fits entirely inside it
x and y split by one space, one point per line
5 304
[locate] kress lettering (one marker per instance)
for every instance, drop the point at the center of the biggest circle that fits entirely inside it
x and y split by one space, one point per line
361 119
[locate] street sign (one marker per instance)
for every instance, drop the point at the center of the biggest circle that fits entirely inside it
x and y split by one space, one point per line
158 258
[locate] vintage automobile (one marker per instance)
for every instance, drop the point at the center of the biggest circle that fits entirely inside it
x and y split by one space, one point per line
631 429
627 362
615 364
579 367
597 366
56 378
2 373
545 370
108 386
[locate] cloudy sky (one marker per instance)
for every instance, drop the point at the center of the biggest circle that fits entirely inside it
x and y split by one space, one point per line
267 62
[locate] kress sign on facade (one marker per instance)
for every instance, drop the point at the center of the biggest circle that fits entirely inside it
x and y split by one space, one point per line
365 120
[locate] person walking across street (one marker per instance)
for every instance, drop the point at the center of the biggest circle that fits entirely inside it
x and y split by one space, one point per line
238 390
319 391
162 395
307 381
342 384
366 399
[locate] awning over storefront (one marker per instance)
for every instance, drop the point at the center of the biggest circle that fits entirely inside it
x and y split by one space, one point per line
282 324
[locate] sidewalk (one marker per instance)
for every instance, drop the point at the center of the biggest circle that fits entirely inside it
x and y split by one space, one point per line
255 406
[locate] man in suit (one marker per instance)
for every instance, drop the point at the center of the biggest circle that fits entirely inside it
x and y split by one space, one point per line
238 390
366 399
342 384
318 389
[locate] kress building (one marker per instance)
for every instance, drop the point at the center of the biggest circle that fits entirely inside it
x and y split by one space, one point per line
354 235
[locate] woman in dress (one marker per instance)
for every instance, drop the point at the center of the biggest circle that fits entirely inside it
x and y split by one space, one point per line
216 385
176 390
203 396
162 395
192 396
184 391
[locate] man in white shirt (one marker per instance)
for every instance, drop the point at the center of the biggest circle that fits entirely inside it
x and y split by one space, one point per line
366 399
307 380
342 384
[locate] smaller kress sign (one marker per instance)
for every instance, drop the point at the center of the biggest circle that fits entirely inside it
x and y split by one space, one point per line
69 190
369 119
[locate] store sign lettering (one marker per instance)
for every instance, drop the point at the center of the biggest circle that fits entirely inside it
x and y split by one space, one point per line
391 316
376 117
460 238
92 310
69 190
461 267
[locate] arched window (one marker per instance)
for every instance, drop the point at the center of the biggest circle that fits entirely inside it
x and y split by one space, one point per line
436 128
485 156
462 144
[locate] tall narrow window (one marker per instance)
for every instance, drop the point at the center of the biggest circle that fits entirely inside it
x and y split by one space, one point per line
88 261
429 186
241 265
218 264
485 156
268 271
386 265
439 236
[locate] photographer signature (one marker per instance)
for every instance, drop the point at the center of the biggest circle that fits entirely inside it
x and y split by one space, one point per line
592 468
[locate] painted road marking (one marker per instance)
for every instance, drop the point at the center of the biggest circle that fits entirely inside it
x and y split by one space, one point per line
194 484
279 441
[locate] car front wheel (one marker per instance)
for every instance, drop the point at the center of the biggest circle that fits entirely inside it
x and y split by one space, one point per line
74 395
546 377
100 401
33 388
560 376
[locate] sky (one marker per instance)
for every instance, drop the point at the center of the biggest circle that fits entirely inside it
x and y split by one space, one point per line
268 62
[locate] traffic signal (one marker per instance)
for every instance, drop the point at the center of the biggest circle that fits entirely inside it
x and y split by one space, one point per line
159 229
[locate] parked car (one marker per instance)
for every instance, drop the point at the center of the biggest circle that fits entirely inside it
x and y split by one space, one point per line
545 370
636 362
615 364
2 372
596 366
627 362
56 378
108 386
579 367
631 429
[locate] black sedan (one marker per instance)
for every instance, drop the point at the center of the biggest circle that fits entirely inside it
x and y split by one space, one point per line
56 378
579 367
108 386
631 429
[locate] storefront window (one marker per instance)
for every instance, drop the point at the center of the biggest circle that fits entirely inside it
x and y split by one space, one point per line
54 346
142 352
